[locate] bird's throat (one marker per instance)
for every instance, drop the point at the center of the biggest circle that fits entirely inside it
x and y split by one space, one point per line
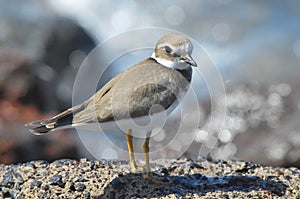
169 63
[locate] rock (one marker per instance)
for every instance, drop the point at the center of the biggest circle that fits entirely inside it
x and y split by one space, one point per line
56 180
18 177
7 181
195 165
189 179
35 183
80 187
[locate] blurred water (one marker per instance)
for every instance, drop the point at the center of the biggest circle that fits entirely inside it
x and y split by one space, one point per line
241 37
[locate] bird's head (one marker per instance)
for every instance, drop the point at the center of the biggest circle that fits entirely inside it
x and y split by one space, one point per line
174 51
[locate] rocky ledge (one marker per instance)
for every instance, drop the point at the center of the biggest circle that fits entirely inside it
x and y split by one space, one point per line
180 178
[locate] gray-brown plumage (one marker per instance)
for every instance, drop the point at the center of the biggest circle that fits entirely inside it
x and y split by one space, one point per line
159 80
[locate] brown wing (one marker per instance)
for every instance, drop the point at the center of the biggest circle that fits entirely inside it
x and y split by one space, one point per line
97 108
146 96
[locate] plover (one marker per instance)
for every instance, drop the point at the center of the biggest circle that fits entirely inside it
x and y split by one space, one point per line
162 79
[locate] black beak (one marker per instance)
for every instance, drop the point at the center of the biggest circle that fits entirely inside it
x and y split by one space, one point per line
189 60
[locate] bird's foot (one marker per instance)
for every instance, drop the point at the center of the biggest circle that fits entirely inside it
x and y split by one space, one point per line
136 169
156 178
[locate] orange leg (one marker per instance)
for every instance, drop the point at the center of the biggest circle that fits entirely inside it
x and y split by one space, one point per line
130 150
146 155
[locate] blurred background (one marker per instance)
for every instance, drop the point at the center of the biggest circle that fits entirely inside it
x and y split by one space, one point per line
254 44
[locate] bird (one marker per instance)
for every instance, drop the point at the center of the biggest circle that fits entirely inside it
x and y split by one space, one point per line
161 79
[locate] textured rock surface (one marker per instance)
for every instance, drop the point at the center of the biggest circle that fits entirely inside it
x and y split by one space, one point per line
112 179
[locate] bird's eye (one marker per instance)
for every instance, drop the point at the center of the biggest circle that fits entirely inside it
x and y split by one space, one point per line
168 49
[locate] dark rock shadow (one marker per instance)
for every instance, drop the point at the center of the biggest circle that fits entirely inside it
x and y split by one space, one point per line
134 185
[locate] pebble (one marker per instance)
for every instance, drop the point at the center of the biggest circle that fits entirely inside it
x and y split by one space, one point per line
80 187
56 180
40 163
195 165
18 176
35 183
45 187
7 181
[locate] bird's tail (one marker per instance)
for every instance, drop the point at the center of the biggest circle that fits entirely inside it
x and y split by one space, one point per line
60 121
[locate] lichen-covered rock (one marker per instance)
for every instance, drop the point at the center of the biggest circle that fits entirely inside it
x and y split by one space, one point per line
172 179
